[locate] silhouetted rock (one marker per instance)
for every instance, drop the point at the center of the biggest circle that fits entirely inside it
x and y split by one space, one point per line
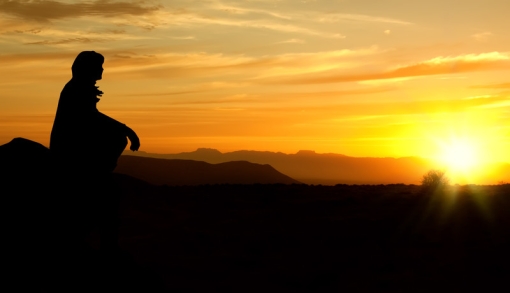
21 156
45 247
25 173
188 172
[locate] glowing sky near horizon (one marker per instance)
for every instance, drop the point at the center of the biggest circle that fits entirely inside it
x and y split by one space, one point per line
386 78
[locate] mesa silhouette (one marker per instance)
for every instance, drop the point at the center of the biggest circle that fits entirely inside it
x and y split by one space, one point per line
189 172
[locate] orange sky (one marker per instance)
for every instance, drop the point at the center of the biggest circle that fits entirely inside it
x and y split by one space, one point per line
362 78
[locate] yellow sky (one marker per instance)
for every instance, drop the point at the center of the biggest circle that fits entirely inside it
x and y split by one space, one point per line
386 78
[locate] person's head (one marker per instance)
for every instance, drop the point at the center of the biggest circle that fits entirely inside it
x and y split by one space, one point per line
88 65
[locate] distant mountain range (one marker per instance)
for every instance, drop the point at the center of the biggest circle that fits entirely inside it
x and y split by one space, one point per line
189 172
312 168
329 169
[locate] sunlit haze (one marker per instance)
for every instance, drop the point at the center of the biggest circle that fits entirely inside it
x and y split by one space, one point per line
362 78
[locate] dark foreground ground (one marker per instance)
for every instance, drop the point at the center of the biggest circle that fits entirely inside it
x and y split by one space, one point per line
298 238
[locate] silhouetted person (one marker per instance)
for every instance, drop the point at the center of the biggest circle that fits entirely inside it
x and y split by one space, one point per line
81 135
85 145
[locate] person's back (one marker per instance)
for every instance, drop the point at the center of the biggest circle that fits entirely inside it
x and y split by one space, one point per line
73 127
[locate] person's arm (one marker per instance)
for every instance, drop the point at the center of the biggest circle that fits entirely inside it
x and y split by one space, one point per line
133 138
131 135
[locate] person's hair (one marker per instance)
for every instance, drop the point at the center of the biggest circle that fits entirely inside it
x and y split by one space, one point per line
85 66
86 63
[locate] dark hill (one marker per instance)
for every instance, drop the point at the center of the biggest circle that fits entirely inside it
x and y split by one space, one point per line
189 172
301 238
23 157
45 231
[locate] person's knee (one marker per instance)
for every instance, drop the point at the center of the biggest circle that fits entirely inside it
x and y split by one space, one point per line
118 143
122 142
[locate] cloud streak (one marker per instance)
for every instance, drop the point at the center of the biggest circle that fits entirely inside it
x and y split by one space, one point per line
188 18
68 41
45 11
336 17
292 41
482 37
435 66
241 10
493 86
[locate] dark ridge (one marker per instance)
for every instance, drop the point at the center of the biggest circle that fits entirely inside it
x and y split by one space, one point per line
189 172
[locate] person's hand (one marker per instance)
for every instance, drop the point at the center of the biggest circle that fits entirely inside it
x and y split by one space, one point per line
133 138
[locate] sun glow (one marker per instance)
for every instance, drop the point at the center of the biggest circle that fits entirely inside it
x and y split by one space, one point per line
460 155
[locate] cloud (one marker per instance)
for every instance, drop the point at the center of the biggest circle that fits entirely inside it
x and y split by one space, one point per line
241 65
193 110
20 59
112 31
181 18
336 17
393 108
290 21
11 25
482 37
387 32
242 10
184 38
493 86
291 68
66 35
68 41
45 11
32 31
292 41
436 66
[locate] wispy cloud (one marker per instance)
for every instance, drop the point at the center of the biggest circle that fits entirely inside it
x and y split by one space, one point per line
292 21
292 41
240 64
42 57
191 18
63 35
183 38
68 41
493 86
435 66
470 58
242 10
44 11
336 17
482 37
395 107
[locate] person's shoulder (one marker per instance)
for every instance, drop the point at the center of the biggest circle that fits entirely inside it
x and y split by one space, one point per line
69 85
70 89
